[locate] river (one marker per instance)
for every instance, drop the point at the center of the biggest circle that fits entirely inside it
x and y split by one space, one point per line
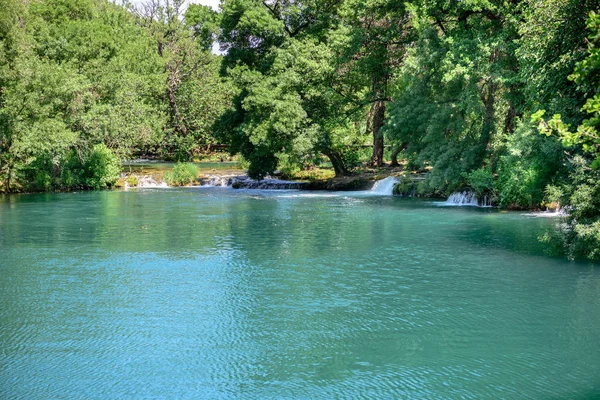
221 293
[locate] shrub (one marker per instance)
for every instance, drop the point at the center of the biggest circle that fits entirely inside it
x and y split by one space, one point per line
99 169
39 173
481 181
182 174
580 234
132 180
529 163
102 168
71 173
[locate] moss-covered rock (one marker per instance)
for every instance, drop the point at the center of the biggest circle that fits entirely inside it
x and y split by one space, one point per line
406 187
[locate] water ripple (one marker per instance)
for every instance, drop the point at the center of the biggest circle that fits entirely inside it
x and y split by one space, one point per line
213 293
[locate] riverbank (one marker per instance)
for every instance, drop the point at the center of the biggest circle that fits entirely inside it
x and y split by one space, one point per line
144 173
316 179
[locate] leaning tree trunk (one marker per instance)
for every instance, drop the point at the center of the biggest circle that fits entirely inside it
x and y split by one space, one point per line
337 161
378 112
397 150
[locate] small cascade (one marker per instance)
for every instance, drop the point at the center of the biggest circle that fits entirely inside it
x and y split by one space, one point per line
559 212
218 181
243 182
149 182
266 184
385 186
485 202
467 198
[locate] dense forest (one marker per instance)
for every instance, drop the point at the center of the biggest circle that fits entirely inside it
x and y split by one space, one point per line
86 83
501 97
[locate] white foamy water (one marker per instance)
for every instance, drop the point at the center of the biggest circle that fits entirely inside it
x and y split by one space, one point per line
217 181
385 186
547 214
466 198
147 182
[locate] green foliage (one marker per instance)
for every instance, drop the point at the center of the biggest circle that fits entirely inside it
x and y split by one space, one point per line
552 41
98 169
581 234
529 162
102 167
581 192
74 74
405 187
284 65
205 23
586 76
40 173
481 181
132 180
451 86
182 174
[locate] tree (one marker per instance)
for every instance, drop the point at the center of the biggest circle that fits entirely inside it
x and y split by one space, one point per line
279 55
204 22
182 41
582 192
377 35
458 73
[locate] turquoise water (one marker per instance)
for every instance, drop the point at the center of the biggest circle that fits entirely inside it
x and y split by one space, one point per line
217 293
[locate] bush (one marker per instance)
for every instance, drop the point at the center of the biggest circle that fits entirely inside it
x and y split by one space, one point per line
39 173
71 173
182 174
529 163
580 233
99 169
585 242
102 168
132 180
481 181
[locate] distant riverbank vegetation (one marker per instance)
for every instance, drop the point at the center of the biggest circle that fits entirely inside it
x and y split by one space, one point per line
499 97
84 78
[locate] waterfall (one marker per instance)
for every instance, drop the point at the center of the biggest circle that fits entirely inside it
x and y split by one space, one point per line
385 186
467 198
485 202
243 182
149 182
267 184
218 181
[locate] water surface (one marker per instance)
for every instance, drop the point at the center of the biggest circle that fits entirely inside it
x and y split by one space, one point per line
217 293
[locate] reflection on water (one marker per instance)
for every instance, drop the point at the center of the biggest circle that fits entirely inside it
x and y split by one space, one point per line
217 293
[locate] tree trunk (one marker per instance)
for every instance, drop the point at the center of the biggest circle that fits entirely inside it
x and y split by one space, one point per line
177 119
397 150
337 161
487 128
509 120
378 112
